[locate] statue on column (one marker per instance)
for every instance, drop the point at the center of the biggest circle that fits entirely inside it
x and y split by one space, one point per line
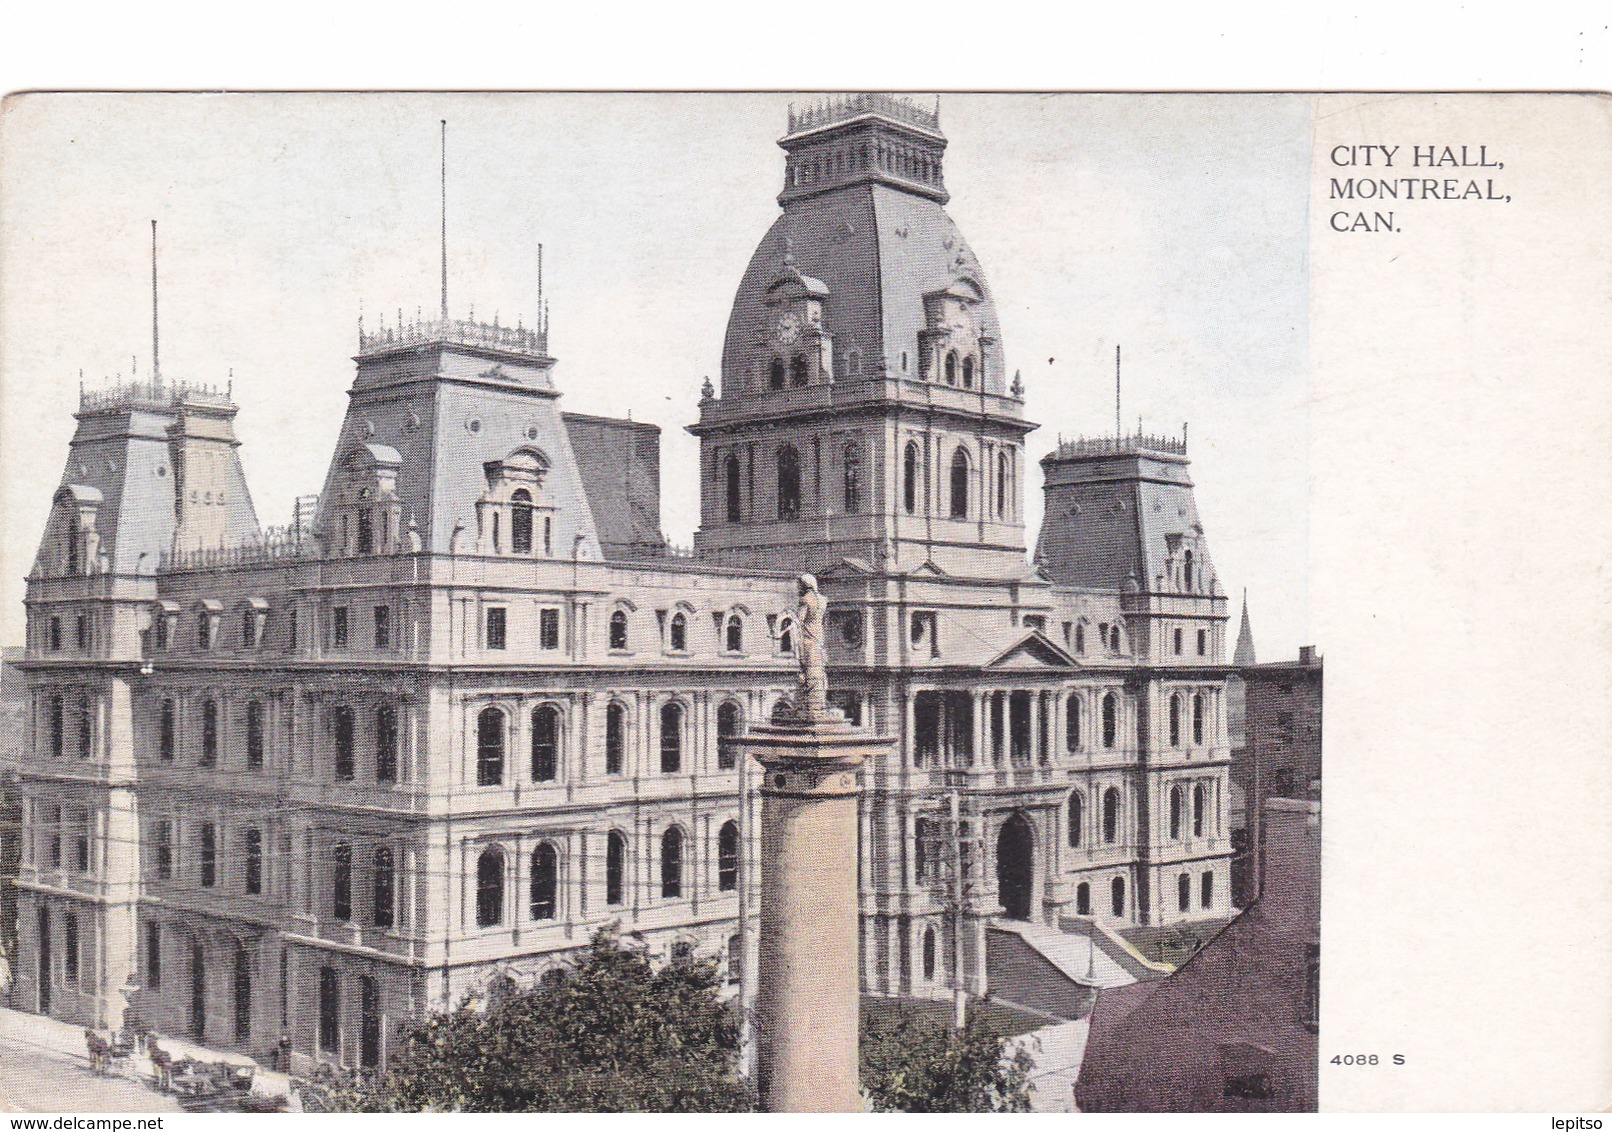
811 652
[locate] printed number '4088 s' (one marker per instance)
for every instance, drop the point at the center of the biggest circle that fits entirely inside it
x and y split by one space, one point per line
1364 1059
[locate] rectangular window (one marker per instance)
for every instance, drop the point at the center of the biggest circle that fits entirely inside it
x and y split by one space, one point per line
383 626
153 956
249 628
55 634
81 631
548 628
81 842
204 631
58 726
254 735
338 627
163 850
70 948
1203 642
496 622
54 845
209 855
1177 642
386 744
291 629
165 731
159 630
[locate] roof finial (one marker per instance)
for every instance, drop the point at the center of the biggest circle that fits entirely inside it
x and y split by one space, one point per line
540 277
789 251
444 221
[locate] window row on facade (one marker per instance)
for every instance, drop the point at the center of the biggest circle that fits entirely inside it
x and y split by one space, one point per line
969 487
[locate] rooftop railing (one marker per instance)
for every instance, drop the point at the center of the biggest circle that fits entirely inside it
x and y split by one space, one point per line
273 544
843 108
1120 446
152 394
516 339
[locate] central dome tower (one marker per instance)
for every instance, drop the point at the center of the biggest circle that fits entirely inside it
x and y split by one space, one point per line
865 410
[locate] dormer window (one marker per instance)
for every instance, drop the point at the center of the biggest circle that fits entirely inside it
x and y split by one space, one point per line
968 373
618 631
678 636
207 623
512 503
254 616
366 502
951 368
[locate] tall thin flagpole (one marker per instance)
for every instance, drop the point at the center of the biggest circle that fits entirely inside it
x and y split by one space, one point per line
1116 393
444 220
156 366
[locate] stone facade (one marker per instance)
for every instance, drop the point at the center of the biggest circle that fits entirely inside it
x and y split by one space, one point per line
316 781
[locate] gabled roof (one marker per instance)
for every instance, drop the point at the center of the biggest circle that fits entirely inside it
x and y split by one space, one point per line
1033 650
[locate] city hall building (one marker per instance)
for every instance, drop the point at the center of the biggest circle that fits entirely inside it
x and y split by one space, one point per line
470 707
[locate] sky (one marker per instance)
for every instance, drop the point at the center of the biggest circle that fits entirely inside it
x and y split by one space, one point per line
1173 225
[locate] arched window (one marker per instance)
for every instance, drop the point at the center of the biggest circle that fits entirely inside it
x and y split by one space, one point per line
733 637
1206 890
853 479
788 482
735 511
490 747
951 368
383 878
959 484
254 735
728 722
1083 899
1117 895
727 857
1175 813
1183 892
1175 721
775 375
679 633
1186 571
615 867
671 738
490 887
1110 816
968 372
797 370
929 953
1110 719
386 743
1197 719
545 742
1077 819
618 630
342 728
786 636
1113 638
545 882
671 863
341 881
1071 729
909 478
209 745
615 738
520 522
1080 638
165 729
365 541
1200 806
1001 484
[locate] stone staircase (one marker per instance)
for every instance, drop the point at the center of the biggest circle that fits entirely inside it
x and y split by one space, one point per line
1046 971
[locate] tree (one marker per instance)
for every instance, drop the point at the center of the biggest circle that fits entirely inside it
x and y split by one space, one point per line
915 1062
613 1035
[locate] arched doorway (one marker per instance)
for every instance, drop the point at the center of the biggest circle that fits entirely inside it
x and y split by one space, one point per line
1015 865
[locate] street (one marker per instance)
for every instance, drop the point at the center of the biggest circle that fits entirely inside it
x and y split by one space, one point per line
44 1068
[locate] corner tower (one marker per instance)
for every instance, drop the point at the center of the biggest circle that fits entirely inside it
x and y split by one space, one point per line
865 410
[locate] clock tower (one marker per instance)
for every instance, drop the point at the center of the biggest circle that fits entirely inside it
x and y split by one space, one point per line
865 411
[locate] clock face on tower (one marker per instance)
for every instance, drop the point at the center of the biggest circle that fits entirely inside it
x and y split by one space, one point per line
788 328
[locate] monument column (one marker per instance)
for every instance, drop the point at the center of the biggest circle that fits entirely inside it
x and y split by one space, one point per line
807 1010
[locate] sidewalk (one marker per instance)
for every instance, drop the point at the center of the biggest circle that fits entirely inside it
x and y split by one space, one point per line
54 1046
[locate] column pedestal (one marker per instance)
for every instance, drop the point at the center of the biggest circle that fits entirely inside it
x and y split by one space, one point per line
807 1009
